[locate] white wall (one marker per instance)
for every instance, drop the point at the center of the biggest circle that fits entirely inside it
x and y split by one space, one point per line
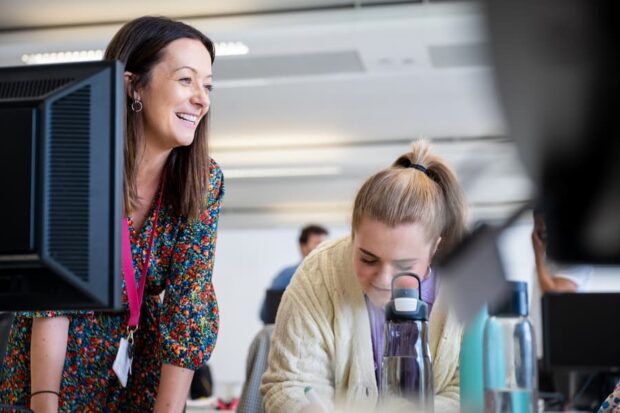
245 263
605 279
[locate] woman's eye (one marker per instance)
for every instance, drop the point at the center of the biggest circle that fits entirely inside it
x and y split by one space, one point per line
208 88
368 261
186 80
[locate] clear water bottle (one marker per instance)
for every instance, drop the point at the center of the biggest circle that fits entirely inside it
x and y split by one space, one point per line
406 369
510 376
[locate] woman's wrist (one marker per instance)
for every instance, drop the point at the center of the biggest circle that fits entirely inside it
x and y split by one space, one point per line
45 401
173 388
35 393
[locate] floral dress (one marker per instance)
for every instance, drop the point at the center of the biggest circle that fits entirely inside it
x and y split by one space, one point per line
180 330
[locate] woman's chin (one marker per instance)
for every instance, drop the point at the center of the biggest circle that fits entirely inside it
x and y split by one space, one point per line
185 141
379 298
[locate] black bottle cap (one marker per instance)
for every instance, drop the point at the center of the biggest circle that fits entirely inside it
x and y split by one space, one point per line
514 303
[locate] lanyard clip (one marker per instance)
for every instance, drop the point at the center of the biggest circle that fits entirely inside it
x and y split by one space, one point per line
130 331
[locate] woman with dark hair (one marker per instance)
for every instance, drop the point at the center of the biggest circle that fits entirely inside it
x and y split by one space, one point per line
79 361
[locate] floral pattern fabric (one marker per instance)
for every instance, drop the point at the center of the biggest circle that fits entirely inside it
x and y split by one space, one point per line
180 330
612 402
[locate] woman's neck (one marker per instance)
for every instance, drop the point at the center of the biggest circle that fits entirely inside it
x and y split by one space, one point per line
150 167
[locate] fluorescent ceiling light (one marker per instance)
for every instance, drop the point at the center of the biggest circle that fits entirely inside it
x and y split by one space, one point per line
280 172
221 49
60 57
231 49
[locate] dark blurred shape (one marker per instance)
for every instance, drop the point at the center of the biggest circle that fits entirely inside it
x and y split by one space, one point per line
556 64
515 303
202 383
578 333
473 271
6 320
272 302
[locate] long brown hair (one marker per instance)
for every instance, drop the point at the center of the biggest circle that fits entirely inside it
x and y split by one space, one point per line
418 187
139 45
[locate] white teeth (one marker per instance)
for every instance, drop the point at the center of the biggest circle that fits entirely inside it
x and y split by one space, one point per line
187 117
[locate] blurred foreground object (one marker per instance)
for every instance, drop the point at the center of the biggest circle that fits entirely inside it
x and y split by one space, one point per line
556 64
473 271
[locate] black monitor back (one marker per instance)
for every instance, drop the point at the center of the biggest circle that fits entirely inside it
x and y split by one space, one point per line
61 155
579 331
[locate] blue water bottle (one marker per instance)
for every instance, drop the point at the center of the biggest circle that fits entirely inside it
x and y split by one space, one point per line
471 364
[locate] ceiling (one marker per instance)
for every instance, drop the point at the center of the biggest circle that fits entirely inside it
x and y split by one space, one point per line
332 90
20 14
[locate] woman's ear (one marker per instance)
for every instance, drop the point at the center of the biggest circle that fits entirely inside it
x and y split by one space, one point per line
130 86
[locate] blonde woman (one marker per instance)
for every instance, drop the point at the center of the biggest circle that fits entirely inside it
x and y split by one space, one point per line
329 330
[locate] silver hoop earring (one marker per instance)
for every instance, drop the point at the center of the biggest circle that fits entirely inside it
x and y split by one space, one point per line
136 105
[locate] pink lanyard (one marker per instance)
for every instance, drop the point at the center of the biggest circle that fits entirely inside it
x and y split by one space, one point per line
129 274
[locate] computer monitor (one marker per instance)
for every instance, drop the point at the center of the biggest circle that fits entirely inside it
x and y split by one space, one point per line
579 331
61 166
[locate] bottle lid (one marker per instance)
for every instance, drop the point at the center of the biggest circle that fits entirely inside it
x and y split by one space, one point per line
406 303
514 303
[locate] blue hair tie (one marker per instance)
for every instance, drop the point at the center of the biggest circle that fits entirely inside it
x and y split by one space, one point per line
419 168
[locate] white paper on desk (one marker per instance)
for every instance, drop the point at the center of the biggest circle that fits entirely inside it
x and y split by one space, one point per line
122 363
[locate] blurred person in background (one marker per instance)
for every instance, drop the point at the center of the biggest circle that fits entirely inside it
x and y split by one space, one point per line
309 238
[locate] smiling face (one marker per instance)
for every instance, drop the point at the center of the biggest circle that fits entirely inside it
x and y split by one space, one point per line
380 252
176 97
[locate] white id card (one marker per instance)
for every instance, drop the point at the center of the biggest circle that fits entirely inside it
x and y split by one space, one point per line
122 363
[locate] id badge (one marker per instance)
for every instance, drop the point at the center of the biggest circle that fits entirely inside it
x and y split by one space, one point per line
122 363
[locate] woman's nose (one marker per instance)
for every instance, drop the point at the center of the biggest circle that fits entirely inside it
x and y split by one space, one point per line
201 98
384 276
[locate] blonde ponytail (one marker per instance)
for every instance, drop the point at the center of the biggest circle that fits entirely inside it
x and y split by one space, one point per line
418 187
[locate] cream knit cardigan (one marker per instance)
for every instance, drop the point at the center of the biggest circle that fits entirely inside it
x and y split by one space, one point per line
322 339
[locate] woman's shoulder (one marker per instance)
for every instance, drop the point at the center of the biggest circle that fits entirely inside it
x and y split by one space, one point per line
216 176
331 253
327 264
216 182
